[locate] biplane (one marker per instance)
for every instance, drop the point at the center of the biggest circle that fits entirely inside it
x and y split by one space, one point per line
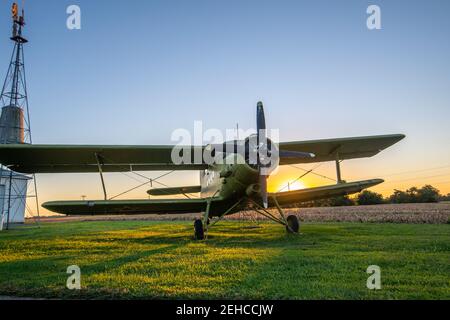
226 187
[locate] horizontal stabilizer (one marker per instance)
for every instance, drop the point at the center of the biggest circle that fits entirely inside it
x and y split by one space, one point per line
174 191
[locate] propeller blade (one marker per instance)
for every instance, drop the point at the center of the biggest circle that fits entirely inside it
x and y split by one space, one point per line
295 154
261 128
263 185
262 143
260 118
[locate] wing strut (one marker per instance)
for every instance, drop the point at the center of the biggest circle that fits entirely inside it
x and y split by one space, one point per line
338 169
99 164
338 161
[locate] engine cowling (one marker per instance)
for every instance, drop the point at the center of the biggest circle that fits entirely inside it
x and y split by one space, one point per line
264 154
256 154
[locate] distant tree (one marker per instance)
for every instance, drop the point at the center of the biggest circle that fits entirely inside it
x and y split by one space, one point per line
369 198
428 194
412 195
341 201
399 197
330 202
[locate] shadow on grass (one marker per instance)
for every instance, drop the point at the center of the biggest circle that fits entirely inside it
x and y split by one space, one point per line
160 260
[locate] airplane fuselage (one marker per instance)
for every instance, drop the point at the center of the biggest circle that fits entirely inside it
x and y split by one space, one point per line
231 181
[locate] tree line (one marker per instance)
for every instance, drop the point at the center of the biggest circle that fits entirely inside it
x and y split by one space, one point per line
426 194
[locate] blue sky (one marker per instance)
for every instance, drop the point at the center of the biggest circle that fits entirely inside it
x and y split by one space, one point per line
137 70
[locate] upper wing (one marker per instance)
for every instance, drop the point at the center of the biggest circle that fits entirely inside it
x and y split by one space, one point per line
72 158
303 195
347 148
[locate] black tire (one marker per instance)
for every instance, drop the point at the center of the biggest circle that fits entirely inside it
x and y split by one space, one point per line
199 232
293 223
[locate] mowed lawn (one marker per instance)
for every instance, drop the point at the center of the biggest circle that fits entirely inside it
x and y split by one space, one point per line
148 259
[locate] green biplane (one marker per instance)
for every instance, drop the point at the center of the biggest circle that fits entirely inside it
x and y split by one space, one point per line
226 187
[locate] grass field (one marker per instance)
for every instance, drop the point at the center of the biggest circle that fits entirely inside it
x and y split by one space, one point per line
150 259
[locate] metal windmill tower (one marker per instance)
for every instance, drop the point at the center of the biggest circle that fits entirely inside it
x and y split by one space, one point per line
15 118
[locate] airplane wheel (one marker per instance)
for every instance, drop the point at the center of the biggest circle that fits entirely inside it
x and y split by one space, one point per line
293 223
199 232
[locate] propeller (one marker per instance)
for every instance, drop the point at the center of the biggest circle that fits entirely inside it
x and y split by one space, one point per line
262 146
261 152
265 149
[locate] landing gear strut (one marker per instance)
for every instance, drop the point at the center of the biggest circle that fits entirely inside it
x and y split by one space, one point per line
291 223
201 226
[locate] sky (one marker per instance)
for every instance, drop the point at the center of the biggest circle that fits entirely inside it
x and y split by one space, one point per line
138 70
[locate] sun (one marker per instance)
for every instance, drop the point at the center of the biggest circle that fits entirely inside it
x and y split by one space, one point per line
289 185
297 185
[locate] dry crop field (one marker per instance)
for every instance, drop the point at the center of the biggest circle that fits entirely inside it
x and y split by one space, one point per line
434 213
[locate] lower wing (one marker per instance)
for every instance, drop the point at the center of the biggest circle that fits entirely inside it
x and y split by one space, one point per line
106 207
303 195
179 206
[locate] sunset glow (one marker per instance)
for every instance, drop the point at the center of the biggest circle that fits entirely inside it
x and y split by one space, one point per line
291 185
297 185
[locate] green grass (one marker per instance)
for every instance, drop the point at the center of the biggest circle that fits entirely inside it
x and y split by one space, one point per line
150 259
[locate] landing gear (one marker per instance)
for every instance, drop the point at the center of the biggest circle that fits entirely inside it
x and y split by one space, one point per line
199 232
201 226
293 225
